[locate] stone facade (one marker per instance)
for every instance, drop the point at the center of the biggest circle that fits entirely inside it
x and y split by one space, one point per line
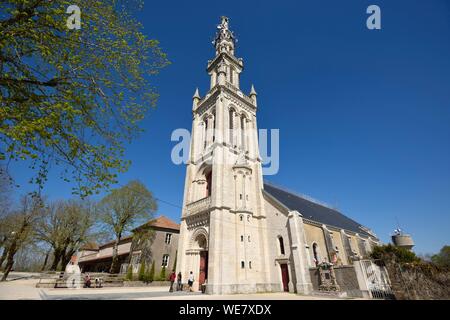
234 236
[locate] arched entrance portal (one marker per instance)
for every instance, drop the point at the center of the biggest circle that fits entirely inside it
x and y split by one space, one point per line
203 272
200 245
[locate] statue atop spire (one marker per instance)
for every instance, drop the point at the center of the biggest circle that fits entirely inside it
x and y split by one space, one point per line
225 39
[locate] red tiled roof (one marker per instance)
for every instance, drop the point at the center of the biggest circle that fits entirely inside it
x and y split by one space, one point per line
164 222
161 222
90 246
95 258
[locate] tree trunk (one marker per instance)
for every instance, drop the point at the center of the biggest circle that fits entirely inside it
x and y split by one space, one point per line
3 257
10 260
66 258
9 265
45 260
56 259
62 266
115 257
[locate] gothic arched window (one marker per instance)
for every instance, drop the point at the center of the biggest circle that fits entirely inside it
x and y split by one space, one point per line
231 124
231 74
243 133
315 253
281 243
208 183
204 131
213 125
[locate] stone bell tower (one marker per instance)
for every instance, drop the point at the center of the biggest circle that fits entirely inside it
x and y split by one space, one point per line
223 236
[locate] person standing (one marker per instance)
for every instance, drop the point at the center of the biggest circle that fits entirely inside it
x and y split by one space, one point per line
190 281
179 284
172 280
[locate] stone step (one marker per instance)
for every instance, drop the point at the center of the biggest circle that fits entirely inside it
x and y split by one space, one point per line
333 294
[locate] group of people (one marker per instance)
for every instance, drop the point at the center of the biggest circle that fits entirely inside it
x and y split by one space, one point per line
88 282
172 278
178 277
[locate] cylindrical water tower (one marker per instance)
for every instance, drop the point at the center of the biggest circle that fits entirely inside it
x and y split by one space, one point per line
403 240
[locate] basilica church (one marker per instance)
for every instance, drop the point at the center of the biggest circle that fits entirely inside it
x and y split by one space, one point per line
238 233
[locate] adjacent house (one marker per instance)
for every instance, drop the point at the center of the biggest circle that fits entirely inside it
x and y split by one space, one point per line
160 248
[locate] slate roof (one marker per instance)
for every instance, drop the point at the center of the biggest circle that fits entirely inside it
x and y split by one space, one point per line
314 211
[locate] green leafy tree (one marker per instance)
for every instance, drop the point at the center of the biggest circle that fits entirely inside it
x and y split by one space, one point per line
122 209
442 259
142 269
162 274
74 98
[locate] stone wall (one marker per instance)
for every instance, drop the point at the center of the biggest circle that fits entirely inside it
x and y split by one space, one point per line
419 281
345 277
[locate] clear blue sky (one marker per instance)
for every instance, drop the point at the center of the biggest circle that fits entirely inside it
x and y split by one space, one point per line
364 116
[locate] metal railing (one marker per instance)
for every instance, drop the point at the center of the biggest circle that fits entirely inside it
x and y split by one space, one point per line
377 280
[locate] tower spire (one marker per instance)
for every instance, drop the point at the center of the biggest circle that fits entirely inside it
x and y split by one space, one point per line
225 39
196 94
195 99
253 95
225 68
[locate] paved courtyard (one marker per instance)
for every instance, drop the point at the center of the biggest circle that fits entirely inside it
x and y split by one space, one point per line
23 286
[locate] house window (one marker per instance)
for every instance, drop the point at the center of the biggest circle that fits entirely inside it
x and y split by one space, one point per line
165 261
241 217
242 264
242 238
168 238
248 238
280 240
249 264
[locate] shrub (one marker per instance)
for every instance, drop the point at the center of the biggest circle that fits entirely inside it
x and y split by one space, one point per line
390 252
141 275
151 274
442 259
129 275
162 275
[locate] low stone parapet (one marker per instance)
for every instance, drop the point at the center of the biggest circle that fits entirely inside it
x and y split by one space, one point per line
147 284
346 278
